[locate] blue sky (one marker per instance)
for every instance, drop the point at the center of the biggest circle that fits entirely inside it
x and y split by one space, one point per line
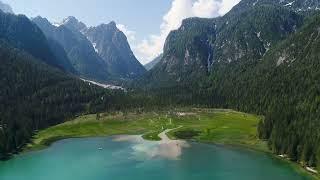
145 22
143 16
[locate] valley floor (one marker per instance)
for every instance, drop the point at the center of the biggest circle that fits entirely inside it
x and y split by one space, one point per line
217 126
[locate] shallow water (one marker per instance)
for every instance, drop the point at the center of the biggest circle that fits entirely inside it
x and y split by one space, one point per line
132 158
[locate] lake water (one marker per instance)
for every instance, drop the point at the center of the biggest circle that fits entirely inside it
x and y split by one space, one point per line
132 158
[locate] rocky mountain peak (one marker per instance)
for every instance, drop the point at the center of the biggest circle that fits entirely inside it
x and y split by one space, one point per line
108 28
41 20
112 24
112 45
74 24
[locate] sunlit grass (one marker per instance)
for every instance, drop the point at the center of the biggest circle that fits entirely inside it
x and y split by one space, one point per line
216 126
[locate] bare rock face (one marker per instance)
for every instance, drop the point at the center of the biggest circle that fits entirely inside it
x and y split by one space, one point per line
112 46
74 24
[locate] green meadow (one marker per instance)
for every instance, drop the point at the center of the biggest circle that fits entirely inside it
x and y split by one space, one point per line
205 125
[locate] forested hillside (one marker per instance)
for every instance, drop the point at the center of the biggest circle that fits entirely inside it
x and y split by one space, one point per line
292 123
284 87
34 96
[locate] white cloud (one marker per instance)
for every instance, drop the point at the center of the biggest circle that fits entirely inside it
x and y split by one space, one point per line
206 8
227 6
131 35
152 46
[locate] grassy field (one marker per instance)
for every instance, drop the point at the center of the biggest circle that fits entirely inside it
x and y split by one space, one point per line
205 125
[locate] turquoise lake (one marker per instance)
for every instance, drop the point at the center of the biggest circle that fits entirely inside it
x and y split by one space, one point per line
131 158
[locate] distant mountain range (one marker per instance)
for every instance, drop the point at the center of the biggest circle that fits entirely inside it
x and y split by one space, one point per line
100 53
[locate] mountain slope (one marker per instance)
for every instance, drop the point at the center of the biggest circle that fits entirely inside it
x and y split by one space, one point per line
60 54
153 63
100 53
74 24
293 70
22 33
112 45
295 5
191 52
79 50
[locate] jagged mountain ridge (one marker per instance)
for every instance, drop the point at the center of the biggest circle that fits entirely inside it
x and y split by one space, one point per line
74 24
106 58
